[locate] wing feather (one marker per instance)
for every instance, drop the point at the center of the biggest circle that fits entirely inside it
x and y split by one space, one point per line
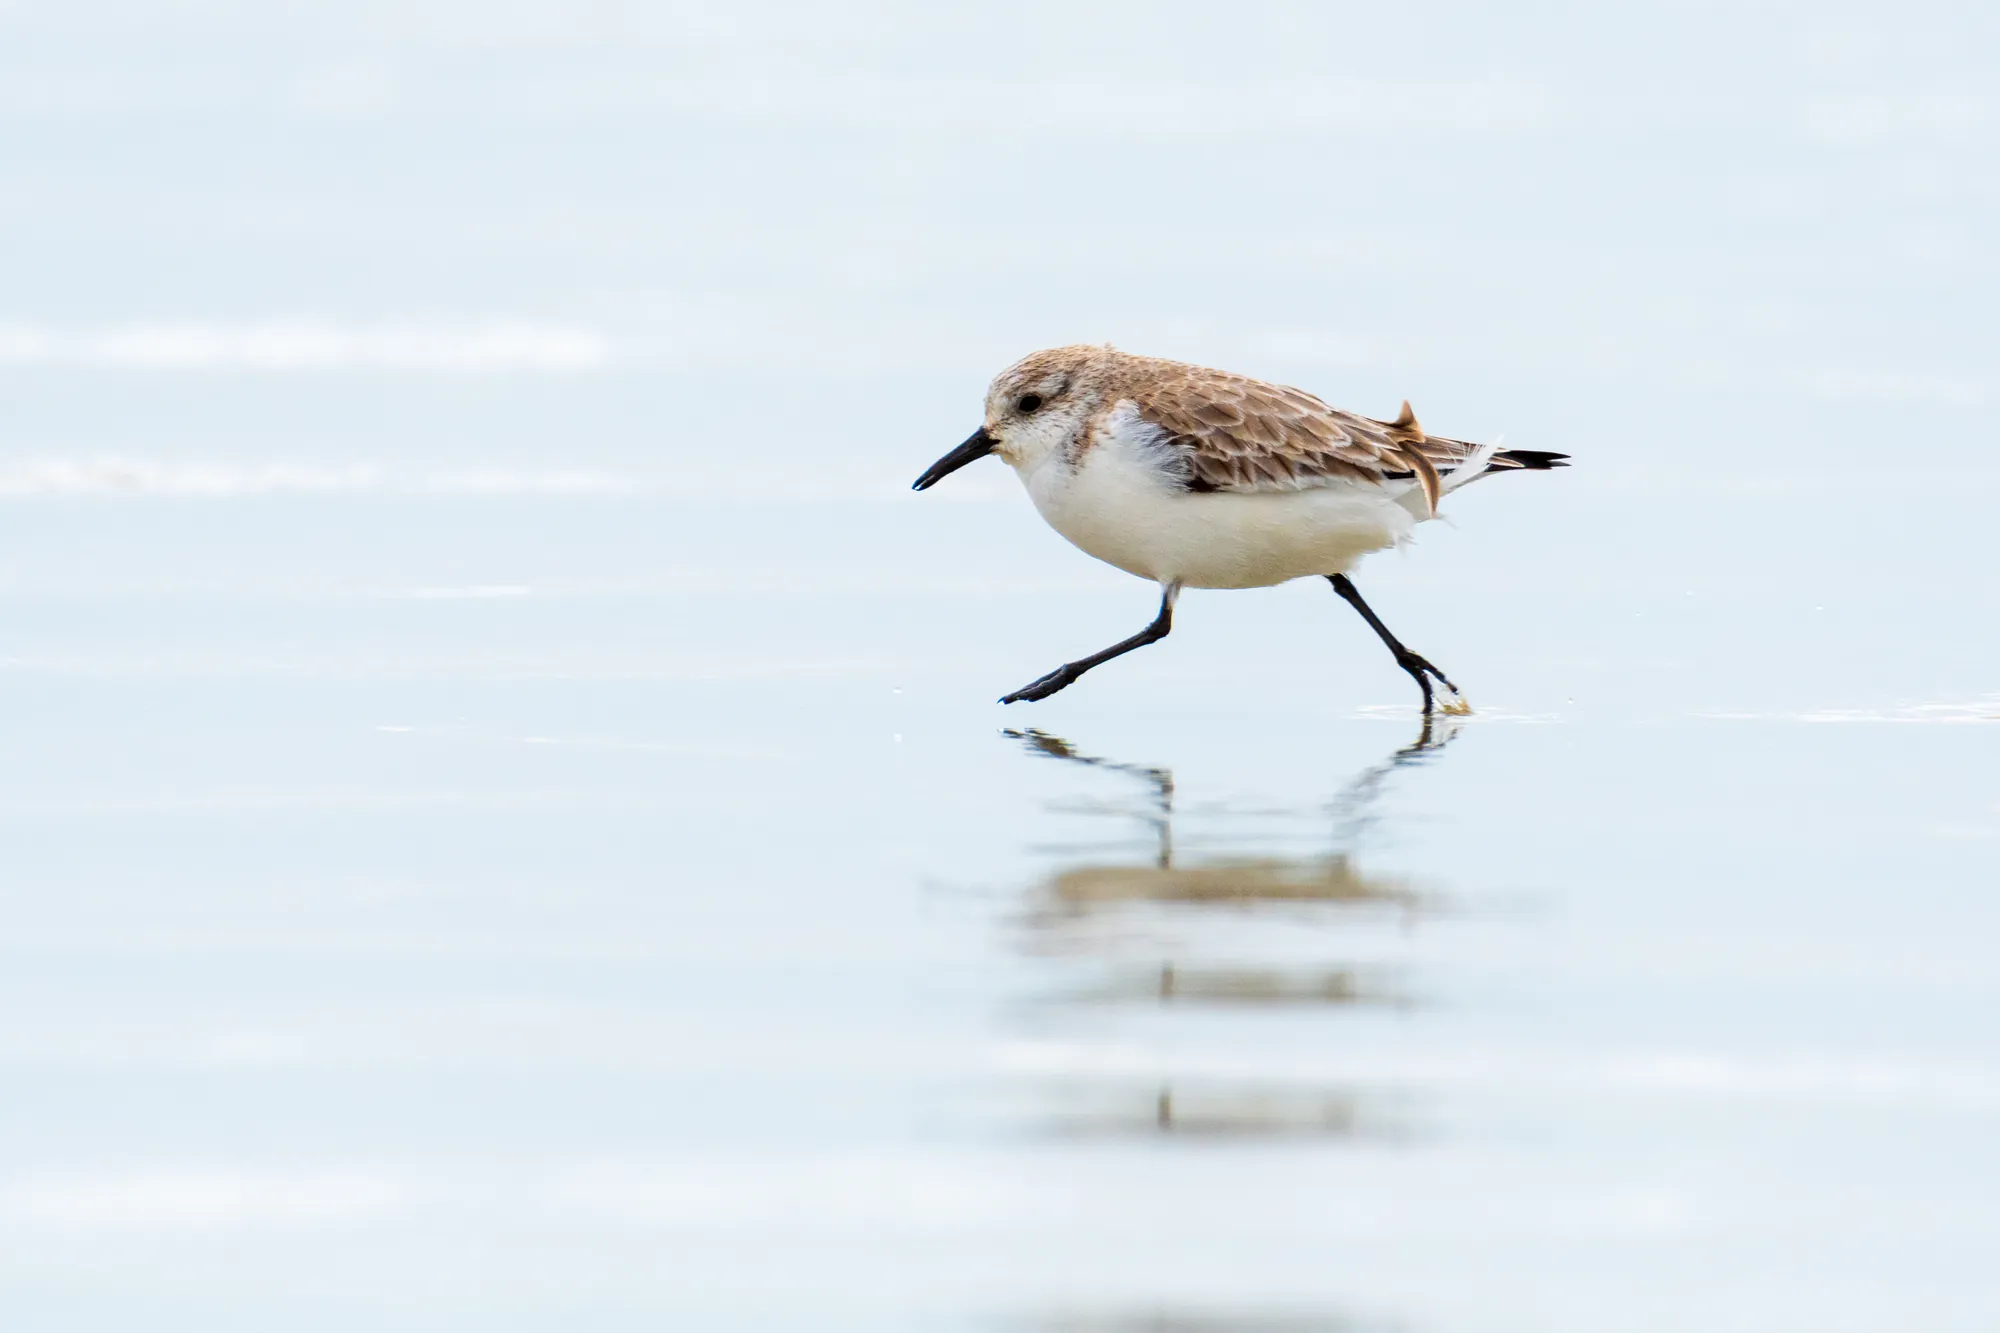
1240 434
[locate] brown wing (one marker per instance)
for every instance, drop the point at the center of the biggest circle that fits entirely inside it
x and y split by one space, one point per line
1240 434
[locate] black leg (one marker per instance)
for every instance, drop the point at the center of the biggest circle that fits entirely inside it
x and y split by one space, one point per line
1409 661
1066 674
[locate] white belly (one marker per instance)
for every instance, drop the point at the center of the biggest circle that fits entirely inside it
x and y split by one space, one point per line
1116 507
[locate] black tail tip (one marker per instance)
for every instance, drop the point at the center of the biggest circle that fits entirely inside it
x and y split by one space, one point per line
1534 460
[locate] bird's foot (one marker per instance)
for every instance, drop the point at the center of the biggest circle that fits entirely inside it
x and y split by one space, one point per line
1060 679
1420 668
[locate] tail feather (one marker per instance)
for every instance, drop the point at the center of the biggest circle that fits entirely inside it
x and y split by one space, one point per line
1472 467
1534 460
1479 460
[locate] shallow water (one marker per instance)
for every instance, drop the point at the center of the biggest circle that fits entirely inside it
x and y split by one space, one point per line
505 824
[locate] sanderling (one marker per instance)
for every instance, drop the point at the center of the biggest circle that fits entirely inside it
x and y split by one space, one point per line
1198 478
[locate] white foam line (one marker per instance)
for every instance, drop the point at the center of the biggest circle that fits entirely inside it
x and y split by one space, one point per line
309 345
125 666
59 477
1402 712
43 478
200 1197
1834 1078
478 592
1938 714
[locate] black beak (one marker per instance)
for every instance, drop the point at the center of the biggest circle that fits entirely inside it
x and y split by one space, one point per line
976 446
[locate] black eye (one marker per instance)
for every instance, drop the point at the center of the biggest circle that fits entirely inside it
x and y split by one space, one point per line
1029 402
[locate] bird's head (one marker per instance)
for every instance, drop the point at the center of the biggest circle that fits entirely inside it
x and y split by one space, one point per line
1034 408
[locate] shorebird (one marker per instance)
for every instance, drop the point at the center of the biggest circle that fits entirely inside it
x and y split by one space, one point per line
1199 478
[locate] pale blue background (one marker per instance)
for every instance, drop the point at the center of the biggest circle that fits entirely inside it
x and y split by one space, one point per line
502 818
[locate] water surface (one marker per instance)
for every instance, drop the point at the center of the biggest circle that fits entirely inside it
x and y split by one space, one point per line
504 822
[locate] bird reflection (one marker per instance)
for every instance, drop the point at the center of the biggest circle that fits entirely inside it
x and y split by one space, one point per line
1239 880
1071 907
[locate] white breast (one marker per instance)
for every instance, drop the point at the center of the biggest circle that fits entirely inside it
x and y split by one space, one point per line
1122 504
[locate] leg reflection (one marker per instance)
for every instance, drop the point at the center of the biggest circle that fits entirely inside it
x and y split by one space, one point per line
1237 879
1176 934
